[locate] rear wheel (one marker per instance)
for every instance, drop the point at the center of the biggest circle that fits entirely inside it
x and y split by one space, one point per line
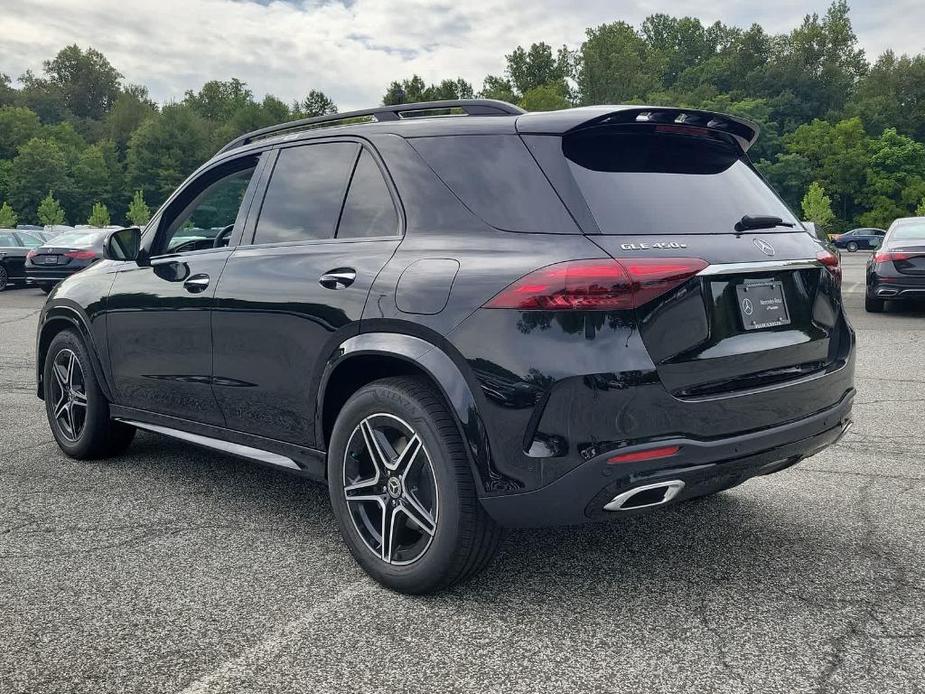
78 413
852 246
873 305
402 489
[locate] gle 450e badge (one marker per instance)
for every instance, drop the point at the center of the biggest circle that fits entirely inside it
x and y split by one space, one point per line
646 246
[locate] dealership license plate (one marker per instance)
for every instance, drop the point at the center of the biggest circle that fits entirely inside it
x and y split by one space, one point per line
762 305
50 260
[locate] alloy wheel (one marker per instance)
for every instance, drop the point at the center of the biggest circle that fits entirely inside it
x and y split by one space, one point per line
69 394
390 489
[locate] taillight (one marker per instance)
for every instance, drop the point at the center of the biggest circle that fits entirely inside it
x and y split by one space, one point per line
832 263
31 254
597 285
648 454
80 255
891 256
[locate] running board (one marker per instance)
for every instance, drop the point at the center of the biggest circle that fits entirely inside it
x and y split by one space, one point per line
217 444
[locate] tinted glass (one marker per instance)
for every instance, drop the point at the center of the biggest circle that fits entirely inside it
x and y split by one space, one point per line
29 240
497 178
209 206
77 239
909 231
7 239
644 179
369 210
305 194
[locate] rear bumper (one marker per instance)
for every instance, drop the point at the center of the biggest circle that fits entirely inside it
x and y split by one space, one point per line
48 276
894 286
703 466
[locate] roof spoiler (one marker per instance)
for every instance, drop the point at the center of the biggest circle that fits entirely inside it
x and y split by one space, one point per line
570 120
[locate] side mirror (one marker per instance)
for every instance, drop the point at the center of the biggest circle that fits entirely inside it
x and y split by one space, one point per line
124 244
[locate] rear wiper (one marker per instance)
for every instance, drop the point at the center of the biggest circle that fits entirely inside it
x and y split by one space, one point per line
760 222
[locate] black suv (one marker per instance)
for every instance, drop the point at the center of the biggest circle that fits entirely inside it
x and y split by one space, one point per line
468 322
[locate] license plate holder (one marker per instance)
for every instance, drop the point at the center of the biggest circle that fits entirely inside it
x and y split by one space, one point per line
762 304
50 260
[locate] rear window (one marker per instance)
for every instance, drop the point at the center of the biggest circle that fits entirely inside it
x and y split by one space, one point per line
76 239
664 179
496 177
909 231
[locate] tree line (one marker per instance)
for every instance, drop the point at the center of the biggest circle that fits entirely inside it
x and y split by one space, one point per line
843 138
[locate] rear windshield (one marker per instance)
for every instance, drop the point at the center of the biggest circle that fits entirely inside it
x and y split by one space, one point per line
76 239
667 179
909 231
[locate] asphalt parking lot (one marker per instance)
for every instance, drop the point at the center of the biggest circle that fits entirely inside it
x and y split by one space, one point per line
180 570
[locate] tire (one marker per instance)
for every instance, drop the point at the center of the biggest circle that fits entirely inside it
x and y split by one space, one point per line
872 305
79 417
434 487
4 278
46 288
852 246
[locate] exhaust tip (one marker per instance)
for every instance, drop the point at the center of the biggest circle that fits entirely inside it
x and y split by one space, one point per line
887 292
645 496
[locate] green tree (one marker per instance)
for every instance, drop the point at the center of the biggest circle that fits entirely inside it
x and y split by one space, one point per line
99 216
617 66
87 81
817 206
138 213
494 87
546 97
50 211
39 167
92 180
8 218
537 66
130 109
218 101
17 126
166 149
315 104
920 210
414 89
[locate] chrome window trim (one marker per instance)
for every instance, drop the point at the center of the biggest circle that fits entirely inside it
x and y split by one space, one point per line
761 266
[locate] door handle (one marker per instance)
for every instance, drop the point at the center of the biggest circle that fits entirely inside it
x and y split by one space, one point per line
196 283
338 279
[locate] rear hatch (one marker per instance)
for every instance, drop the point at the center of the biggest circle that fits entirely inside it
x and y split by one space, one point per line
750 307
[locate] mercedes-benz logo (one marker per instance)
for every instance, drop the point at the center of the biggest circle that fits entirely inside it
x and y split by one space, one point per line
764 246
747 307
393 486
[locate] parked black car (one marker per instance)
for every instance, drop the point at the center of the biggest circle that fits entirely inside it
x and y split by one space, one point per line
64 255
856 239
466 323
14 245
896 272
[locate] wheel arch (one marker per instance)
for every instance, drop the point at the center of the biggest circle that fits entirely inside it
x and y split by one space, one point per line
56 320
368 357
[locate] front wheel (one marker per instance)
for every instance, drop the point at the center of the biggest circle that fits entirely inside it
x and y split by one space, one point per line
402 490
78 412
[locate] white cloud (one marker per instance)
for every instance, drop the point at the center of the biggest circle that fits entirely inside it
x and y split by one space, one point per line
352 50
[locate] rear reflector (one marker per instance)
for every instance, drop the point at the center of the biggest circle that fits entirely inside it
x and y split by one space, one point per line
650 454
597 285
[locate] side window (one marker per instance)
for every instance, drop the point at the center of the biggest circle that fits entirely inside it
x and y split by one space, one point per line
204 215
7 240
305 193
369 210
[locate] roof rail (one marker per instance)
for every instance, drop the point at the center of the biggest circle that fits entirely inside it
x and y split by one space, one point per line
471 107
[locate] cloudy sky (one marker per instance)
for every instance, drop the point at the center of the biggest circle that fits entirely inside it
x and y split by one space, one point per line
351 49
